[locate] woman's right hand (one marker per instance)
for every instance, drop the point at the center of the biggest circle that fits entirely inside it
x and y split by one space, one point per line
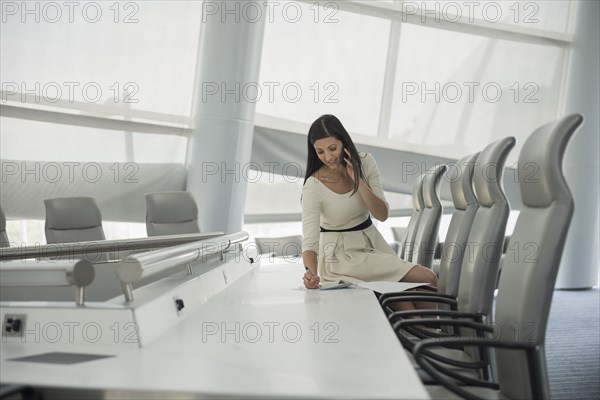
311 281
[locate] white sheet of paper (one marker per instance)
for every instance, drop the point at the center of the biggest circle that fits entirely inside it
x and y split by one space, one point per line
389 287
335 286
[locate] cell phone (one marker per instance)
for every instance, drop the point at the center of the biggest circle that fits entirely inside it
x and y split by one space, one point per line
343 156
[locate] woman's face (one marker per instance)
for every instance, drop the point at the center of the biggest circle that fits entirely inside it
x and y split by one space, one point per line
329 151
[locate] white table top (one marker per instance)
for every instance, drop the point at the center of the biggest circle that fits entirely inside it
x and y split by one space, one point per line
264 336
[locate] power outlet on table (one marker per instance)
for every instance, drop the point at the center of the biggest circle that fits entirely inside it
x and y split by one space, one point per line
13 325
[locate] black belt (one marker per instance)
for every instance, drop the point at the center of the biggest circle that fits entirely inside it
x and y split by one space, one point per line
358 227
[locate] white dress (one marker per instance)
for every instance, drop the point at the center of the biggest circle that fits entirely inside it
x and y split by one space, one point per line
348 256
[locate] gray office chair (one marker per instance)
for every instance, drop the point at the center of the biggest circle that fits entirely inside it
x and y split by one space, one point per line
399 233
527 283
465 207
429 224
479 268
73 219
408 244
286 246
395 246
171 213
3 236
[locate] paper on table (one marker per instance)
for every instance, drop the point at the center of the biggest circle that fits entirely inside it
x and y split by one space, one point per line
389 287
335 286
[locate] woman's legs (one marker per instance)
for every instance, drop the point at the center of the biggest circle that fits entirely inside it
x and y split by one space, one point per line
420 274
403 306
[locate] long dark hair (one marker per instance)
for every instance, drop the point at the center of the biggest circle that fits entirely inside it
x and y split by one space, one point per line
330 126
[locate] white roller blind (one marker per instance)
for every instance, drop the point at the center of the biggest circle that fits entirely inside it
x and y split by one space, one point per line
455 93
129 55
40 141
324 61
71 69
549 15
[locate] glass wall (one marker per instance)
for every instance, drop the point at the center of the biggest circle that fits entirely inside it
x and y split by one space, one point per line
114 81
445 77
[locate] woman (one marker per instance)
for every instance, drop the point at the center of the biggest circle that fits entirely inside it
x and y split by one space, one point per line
341 191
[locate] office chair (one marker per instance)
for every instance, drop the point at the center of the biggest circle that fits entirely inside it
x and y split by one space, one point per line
526 283
399 233
73 219
479 268
406 253
395 247
452 253
465 208
171 213
429 223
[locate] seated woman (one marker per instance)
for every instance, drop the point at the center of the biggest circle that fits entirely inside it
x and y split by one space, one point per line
341 191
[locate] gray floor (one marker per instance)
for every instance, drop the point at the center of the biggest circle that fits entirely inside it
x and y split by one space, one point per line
573 345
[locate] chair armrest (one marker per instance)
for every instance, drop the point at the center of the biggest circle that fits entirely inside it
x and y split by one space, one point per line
409 345
438 371
435 313
433 297
429 288
423 334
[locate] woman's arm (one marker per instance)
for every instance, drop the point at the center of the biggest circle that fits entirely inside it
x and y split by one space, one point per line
310 261
311 279
371 192
311 217
377 207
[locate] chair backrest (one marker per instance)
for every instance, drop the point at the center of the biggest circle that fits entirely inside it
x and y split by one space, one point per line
399 233
406 253
395 246
479 269
73 219
3 236
429 224
527 280
171 213
286 246
465 208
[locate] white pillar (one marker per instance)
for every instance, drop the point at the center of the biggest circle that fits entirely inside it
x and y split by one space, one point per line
579 265
228 69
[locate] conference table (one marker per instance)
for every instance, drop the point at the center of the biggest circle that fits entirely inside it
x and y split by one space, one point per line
264 336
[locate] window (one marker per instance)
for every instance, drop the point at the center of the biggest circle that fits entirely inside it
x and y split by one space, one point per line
325 61
41 141
73 74
119 56
455 93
